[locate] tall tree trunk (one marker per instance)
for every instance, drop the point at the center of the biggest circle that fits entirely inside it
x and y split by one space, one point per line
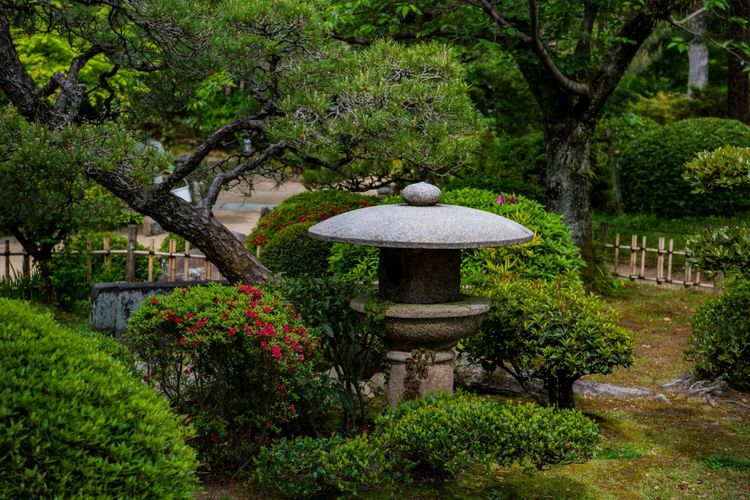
568 143
697 53
738 85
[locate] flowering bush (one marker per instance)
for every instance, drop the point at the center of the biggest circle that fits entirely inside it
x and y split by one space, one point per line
312 206
231 358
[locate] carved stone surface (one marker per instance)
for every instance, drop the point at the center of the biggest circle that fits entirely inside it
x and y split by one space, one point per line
421 194
433 326
420 276
439 375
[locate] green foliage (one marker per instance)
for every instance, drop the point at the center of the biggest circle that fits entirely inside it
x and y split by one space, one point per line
233 358
448 433
508 165
293 252
352 347
652 166
623 129
74 422
179 246
399 112
667 107
554 332
306 467
436 433
549 254
723 249
723 168
312 206
69 268
721 337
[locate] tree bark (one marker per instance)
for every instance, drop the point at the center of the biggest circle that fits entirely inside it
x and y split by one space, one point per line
174 214
738 85
697 54
568 144
560 391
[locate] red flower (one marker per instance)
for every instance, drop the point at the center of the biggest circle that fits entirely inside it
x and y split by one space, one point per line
183 340
154 300
264 345
266 310
224 315
232 331
251 314
276 352
183 291
194 343
192 329
248 330
176 320
301 357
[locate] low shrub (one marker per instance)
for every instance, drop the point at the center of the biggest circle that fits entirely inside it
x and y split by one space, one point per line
179 245
721 337
448 433
437 433
75 423
723 249
306 467
652 165
313 206
294 253
69 271
549 254
553 332
233 358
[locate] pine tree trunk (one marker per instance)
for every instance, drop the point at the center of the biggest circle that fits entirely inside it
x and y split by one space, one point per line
568 182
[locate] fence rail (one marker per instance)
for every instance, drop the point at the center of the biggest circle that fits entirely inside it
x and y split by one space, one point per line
630 261
171 258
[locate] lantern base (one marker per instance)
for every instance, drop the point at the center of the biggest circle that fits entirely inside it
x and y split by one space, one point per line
416 373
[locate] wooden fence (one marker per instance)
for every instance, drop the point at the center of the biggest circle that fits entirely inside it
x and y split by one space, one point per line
172 257
630 261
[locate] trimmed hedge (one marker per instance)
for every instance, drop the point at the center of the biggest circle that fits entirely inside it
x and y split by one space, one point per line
721 337
436 433
652 166
293 252
75 423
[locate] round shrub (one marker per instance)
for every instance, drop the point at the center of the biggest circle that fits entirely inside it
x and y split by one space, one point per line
232 358
293 252
313 206
549 332
721 337
306 467
652 166
69 271
549 254
449 433
75 424
436 433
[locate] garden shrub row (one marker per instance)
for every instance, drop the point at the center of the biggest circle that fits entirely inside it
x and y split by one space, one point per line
75 422
434 434
652 165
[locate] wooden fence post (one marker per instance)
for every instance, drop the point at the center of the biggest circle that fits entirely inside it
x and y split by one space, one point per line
130 261
643 259
107 257
151 248
670 254
660 261
172 260
89 262
7 259
617 254
633 256
186 263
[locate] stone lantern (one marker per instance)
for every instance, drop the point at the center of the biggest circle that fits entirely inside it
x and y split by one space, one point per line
420 245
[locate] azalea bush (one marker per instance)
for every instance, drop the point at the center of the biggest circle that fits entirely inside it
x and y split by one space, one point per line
313 206
234 359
